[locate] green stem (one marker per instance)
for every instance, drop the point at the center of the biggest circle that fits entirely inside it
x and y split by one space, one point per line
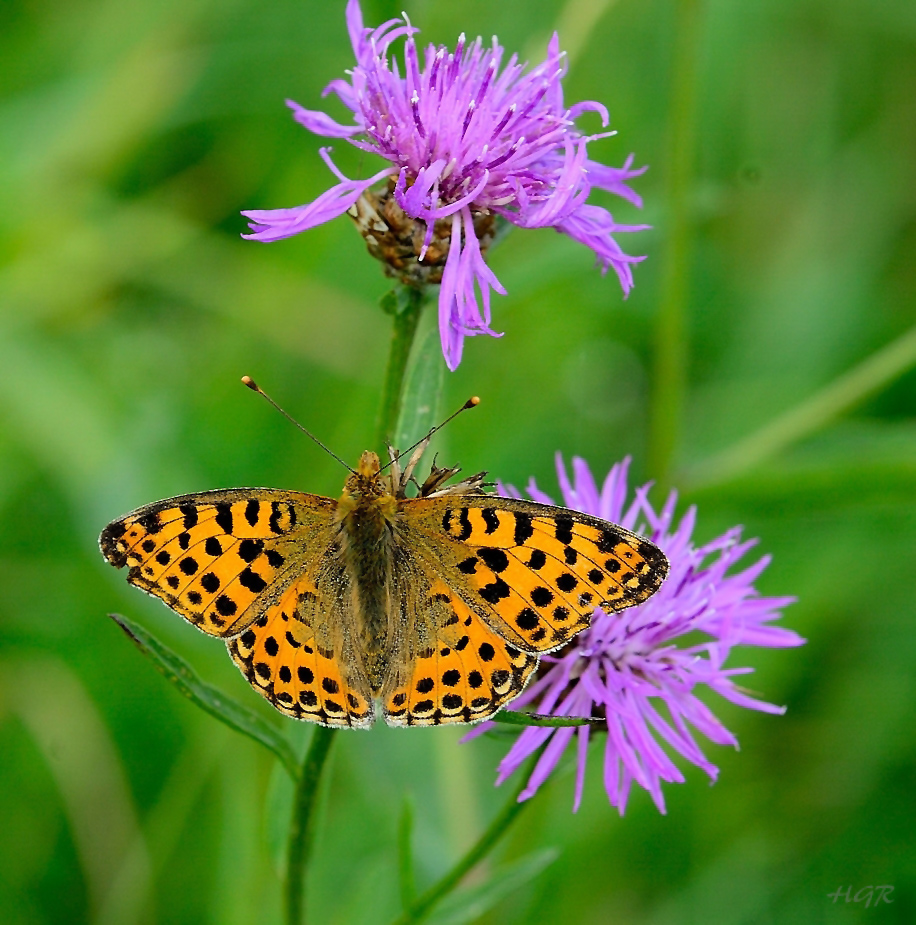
852 388
302 823
406 306
424 904
670 366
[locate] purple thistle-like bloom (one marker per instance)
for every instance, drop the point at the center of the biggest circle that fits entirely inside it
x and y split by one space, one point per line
467 138
628 668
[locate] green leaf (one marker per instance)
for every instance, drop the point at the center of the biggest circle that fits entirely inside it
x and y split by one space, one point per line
208 698
423 383
470 904
542 719
278 808
406 866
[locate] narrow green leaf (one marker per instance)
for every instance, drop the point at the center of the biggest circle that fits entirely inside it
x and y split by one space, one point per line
406 867
542 719
278 808
423 384
208 698
470 904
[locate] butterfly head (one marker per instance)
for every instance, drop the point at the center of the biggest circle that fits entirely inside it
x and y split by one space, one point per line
367 483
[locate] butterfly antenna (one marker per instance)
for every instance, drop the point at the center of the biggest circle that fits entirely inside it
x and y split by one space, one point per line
472 402
247 380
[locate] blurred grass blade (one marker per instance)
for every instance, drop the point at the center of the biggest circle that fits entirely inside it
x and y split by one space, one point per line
208 698
470 904
406 867
512 718
849 390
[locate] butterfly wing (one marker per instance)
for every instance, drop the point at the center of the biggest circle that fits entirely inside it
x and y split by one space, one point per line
303 658
447 665
218 558
534 572
260 565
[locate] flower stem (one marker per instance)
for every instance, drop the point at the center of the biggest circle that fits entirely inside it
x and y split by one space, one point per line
405 304
670 369
301 825
424 904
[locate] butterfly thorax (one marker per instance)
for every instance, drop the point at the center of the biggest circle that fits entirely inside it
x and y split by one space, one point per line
367 517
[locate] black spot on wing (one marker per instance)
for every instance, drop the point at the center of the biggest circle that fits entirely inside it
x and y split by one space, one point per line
537 560
495 591
541 597
563 529
252 512
150 522
523 528
608 541
468 566
249 549
495 559
274 559
224 517
490 519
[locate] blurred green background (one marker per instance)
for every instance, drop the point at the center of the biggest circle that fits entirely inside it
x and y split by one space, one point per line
781 140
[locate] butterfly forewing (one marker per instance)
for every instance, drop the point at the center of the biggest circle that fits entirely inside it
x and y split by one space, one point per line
537 572
218 558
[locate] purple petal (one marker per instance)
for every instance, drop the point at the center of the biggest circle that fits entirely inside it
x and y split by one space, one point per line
320 123
274 224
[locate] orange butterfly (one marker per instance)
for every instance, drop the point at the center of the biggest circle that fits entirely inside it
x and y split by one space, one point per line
438 606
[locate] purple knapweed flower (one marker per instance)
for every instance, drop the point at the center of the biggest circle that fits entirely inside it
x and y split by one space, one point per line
628 665
467 139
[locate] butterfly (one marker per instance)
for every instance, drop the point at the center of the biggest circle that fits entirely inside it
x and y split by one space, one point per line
429 609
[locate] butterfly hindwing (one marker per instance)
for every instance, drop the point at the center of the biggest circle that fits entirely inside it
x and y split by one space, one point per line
451 667
218 558
300 655
538 572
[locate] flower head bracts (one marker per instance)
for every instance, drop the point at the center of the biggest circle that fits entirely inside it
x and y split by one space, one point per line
466 134
628 668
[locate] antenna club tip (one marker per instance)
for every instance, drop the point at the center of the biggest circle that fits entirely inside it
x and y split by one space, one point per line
472 402
247 380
